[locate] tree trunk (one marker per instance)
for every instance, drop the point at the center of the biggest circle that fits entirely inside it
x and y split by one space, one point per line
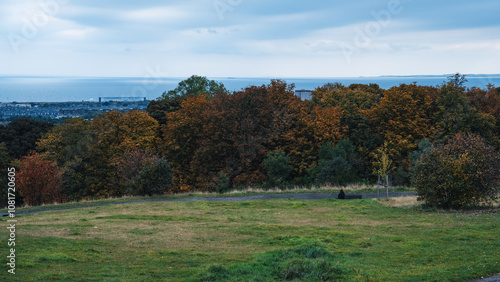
378 186
387 186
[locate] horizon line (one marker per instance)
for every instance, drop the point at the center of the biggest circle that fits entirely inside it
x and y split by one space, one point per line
259 77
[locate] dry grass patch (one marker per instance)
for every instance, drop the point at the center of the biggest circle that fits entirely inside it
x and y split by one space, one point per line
400 202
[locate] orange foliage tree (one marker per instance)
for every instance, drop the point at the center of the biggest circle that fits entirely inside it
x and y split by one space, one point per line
69 145
38 180
461 173
402 118
313 127
181 134
487 103
231 134
354 100
115 133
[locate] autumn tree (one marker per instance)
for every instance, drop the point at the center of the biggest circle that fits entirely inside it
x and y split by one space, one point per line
487 104
69 145
181 134
38 180
128 167
114 134
254 120
402 118
227 135
464 172
68 142
354 100
351 99
313 126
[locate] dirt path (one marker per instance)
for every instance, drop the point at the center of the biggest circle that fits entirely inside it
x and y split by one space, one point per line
304 196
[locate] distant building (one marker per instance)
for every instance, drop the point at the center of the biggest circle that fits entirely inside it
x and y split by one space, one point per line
15 105
303 94
121 99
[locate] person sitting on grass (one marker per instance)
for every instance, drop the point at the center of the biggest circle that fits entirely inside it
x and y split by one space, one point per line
341 194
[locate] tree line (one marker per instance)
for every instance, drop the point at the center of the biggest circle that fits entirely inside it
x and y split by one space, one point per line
201 137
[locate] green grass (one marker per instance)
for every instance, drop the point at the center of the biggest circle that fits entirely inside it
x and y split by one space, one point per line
355 240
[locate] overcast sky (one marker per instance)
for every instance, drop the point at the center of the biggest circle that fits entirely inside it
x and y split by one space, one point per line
249 38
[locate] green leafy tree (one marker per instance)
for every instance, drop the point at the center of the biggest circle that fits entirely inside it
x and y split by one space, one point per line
383 166
464 172
454 114
278 167
194 86
171 101
457 80
336 171
224 183
155 178
20 135
338 165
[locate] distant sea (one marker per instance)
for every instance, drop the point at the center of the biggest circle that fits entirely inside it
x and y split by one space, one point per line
62 89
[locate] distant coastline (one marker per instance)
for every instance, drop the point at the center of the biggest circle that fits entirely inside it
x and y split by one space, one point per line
15 88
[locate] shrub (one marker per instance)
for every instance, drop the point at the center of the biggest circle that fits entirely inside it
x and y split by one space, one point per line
223 183
140 172
128 168
38 181
155 178
464 172
336 171
278 167
337 165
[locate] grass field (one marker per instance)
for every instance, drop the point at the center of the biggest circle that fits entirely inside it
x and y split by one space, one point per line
256 240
